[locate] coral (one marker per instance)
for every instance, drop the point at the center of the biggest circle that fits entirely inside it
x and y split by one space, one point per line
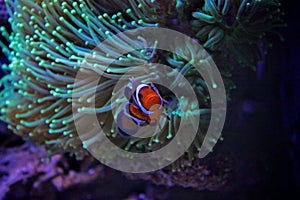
211 174
3 12
28 163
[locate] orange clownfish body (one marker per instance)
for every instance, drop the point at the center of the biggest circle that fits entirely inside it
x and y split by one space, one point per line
144 106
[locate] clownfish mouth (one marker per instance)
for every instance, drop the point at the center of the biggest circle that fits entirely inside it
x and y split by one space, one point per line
144 106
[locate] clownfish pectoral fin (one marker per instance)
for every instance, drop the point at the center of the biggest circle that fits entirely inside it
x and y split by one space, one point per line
156 123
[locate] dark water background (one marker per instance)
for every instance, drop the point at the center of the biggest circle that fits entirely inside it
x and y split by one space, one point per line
262 130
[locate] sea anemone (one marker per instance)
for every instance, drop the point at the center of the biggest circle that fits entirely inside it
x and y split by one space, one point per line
47 45
235 29
51 40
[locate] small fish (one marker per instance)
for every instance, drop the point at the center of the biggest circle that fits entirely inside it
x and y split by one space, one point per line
144 106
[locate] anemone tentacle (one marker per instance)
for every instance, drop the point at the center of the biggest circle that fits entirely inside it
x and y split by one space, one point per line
49 42
234 30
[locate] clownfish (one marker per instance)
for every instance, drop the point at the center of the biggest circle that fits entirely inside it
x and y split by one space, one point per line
144 107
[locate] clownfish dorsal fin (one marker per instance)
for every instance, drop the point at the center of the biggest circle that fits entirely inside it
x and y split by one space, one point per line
134 83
